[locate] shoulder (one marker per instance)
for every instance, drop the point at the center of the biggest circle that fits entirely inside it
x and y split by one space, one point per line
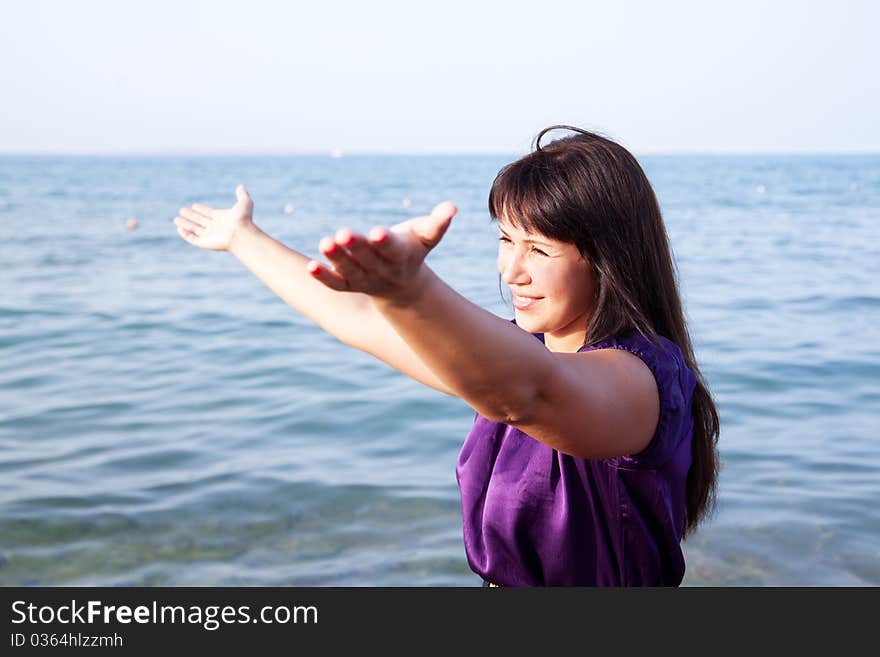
662 357
675 383
601 402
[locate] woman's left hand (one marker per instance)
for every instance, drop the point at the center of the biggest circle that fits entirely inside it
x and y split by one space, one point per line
385 263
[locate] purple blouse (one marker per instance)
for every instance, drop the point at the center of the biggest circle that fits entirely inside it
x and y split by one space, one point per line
535 517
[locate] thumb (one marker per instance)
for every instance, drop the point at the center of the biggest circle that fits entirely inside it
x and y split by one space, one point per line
241 195
430 229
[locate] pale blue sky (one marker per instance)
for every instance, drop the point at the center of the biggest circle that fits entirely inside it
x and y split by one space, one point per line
438 77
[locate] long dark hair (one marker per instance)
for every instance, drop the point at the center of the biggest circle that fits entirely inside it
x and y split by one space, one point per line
589 191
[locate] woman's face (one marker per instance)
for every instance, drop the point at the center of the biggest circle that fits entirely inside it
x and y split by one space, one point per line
552 285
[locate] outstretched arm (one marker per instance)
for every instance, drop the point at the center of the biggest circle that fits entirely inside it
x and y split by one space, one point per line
597 404
352 317
470 349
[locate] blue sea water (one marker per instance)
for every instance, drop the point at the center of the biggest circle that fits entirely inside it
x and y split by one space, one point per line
165 420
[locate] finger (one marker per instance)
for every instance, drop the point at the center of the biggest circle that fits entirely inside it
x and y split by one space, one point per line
328 246
344 236
388 242
243 200
430 229
444 210
241 195
378 234
187 235
366 253
189 226
380 239
203 210
194 217
341 257
326 276
332 251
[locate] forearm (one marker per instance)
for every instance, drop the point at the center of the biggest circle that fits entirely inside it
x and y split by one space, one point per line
283 271
484 359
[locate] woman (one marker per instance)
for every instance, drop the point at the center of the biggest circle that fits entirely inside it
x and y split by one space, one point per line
593 451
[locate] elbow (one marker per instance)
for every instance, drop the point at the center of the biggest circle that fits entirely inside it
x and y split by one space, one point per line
512 407
514 403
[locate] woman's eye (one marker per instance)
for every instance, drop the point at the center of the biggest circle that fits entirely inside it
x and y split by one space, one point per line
507 240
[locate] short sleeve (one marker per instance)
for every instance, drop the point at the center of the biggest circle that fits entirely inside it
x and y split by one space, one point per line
675 388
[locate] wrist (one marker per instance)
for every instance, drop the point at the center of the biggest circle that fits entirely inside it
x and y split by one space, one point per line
242 236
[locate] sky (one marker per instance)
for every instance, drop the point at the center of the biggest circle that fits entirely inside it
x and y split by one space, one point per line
97 77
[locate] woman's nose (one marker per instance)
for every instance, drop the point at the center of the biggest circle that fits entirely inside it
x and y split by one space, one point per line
513 271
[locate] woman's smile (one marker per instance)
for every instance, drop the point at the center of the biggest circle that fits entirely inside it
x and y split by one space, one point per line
522 302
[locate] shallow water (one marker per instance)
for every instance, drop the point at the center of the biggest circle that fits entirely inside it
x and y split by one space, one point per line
166 420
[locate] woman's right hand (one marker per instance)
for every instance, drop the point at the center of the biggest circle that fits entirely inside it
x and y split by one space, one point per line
216 230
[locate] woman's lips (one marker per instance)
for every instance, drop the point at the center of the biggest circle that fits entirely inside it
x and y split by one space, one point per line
524 303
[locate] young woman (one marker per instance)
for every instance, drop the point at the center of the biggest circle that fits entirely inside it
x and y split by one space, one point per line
593 451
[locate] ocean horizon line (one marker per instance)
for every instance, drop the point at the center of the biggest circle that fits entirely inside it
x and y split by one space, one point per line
335 154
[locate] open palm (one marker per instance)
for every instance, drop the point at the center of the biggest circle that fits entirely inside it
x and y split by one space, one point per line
215 230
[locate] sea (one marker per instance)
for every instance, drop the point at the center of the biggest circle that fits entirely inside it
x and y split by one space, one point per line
166 420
